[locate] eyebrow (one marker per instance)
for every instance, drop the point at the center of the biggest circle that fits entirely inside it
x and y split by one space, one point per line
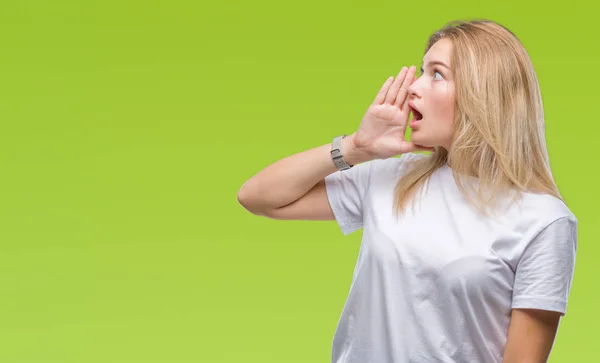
434 62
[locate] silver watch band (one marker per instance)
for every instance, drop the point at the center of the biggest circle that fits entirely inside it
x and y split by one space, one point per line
336 153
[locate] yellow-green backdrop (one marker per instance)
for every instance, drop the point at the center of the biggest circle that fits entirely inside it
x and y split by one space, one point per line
129 126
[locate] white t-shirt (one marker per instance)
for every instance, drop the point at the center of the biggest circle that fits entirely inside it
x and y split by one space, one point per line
438 285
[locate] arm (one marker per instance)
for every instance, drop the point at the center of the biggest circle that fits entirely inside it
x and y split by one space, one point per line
296 182
286 181
541 288
530 335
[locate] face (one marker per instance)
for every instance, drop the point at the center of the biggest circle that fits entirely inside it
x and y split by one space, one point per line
432 94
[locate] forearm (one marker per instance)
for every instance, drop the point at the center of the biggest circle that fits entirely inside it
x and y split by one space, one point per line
288 179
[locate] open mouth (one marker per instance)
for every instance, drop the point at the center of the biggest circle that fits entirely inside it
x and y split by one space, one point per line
417 116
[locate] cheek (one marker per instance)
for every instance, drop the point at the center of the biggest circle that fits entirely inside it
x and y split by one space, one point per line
450 108
444 107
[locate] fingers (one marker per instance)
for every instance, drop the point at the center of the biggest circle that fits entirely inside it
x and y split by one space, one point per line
393 91
401 98
383 91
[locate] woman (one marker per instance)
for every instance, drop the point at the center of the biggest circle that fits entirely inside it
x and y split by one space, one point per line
467 253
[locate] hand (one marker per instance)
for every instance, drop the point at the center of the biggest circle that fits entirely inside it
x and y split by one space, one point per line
381 133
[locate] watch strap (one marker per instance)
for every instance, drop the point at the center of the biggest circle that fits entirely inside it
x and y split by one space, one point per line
336 153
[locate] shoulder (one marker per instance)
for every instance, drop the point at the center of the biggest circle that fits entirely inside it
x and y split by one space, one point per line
545 207
543 213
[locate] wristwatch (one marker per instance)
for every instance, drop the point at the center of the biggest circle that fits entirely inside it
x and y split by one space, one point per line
336 153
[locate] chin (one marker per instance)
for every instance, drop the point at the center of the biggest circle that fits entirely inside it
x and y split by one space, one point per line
421 141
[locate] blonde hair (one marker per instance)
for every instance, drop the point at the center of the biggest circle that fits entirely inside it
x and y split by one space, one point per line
499 120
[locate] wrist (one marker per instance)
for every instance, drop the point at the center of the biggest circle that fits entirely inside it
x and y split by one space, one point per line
351 154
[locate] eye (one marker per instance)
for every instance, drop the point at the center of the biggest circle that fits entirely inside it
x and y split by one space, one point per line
435 73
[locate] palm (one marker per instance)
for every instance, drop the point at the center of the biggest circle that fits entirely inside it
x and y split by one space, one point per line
387 127
382 131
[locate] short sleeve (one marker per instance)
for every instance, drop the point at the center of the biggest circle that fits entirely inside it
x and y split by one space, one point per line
545 270
346 190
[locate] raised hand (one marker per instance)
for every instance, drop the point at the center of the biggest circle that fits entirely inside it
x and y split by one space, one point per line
381 133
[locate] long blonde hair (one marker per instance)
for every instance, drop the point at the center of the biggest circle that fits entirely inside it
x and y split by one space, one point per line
499 124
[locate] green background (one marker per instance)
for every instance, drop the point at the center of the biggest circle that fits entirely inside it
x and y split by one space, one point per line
129 126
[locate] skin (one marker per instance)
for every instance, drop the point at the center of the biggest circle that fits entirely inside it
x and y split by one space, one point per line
530 335
433 94
531 332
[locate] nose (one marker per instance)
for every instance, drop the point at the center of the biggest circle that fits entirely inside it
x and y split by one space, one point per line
413 88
